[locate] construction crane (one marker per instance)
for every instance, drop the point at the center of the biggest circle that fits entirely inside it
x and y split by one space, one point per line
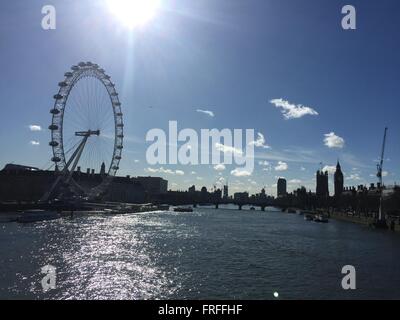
379 174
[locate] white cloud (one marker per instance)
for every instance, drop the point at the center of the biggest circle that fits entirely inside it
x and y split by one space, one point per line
331 140
193 172
35 143
34 127
295 181
385 173
293 111
282 166
166 171
136 161
330 169
264 163
207 112
252 182
228 149
354 176
259 142
240 173
219 167
303 169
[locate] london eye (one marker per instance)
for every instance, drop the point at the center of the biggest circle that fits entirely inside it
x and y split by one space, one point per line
86 131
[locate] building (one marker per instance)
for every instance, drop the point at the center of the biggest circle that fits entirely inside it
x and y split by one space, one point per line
322 189
226 195
23 183
192 189
124 189
153 185
281 187
339 181
241 196
103 169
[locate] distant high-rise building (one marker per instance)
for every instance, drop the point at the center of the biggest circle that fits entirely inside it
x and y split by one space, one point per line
281 187
339 182
322 184
226 195
192 189
103 169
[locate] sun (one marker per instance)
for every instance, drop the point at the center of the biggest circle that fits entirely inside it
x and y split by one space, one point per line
134 13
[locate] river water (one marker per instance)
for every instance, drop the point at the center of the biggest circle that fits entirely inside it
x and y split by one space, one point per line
206 254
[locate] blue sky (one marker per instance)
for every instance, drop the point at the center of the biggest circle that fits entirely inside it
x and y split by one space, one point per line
231 57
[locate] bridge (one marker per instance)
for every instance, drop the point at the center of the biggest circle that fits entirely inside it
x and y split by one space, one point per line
216 203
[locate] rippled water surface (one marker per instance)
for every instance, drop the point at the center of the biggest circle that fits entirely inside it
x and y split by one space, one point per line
217 254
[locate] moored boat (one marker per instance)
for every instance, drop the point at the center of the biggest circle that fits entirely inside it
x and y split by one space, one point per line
309 217
321 218
181 209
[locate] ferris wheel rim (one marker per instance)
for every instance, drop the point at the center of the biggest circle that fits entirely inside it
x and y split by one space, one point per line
71 78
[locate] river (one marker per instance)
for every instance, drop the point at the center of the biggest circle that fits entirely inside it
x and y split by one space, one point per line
206 254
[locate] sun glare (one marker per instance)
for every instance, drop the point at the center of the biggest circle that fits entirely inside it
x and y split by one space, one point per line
133 13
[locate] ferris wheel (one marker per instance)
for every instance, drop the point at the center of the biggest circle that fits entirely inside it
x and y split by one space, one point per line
86 131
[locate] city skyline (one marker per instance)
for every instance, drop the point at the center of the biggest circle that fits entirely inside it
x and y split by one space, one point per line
332 103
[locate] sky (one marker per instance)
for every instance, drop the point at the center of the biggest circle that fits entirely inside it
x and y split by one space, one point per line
315 92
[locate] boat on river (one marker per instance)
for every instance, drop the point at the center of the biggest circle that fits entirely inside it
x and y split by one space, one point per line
309 217
321 218
182 209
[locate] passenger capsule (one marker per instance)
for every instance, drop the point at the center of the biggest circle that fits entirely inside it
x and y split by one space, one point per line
68 74
54 111
117 104
82 64
55 159
53 127
63 84
120 125
57 96
75 68
53 144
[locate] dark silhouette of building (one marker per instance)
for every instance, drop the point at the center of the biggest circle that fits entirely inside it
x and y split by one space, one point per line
23 183
226 195
103 169
241 196
322 190
192 189
339 182
281 187
153 185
